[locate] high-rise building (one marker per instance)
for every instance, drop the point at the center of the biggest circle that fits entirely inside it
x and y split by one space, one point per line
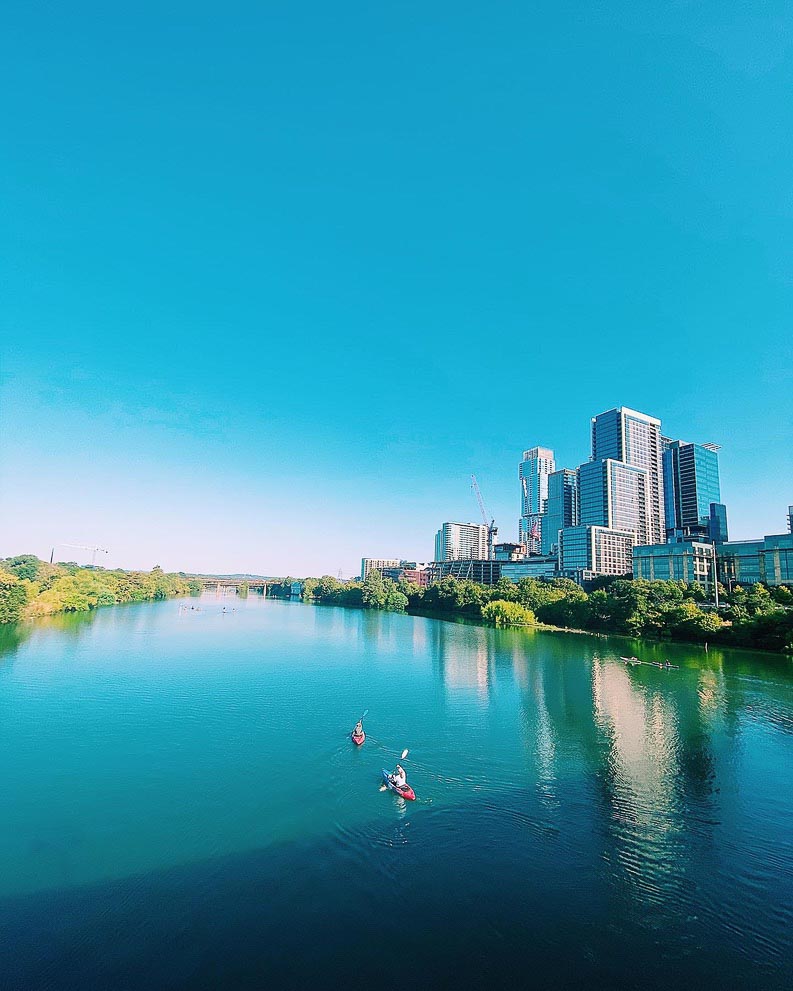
535 468
790 519
626 435
561 508
461 542
615 495
691 488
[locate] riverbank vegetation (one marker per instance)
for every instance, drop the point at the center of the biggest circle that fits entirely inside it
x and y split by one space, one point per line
30 587
673 610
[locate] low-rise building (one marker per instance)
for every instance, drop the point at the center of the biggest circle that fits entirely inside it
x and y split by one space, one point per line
377 564
409 571
483 571
509 552
587 551
537 566
691 561
746 562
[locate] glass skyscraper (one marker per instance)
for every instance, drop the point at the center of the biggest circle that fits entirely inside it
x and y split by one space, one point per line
634 438
692 493
561 508
613 494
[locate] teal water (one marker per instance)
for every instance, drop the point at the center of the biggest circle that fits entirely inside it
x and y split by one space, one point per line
182 806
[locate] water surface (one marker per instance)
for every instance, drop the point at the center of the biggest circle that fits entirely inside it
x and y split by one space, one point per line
183 806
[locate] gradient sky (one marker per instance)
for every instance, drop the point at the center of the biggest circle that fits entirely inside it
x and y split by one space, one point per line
276 278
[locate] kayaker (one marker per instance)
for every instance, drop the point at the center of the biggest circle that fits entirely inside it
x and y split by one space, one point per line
358 731
398 778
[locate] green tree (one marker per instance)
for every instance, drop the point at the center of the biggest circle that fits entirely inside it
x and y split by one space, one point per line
13 597
499 612
375 593
396 601
23 566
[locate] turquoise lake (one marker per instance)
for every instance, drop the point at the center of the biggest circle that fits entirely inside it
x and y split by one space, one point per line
183 807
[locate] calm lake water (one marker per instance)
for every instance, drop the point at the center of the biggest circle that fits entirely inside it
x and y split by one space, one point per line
183 808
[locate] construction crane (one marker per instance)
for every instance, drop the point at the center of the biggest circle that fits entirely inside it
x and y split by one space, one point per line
82 547
492 529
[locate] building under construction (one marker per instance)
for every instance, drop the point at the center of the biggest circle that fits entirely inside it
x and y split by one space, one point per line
484 571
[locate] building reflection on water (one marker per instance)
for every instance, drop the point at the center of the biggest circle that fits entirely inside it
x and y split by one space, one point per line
643 741
640 779
464 657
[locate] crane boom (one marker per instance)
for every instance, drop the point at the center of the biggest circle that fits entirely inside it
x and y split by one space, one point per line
82 547
492 529
475 487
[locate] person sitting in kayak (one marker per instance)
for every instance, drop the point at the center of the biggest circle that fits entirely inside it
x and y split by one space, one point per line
358 731
398 777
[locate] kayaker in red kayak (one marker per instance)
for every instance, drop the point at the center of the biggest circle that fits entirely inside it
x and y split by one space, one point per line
398 777
358 731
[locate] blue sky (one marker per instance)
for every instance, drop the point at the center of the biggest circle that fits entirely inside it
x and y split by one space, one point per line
277 278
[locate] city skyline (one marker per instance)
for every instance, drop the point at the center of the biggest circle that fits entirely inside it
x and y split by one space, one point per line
270 298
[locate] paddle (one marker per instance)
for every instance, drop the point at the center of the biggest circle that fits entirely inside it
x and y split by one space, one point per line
405 752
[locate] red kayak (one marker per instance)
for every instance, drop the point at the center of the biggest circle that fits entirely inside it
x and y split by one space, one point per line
406 792
357 740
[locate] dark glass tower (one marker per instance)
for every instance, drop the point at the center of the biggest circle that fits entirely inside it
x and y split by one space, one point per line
692 493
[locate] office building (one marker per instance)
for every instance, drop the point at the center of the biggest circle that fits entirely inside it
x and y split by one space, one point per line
377 564
634 438
691 489
561 508
461 542
717 527
746 562
689 562
535 468
615 495
537 566
586 551
508 552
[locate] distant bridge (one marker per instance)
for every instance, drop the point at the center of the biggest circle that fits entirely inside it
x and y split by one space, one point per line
258 585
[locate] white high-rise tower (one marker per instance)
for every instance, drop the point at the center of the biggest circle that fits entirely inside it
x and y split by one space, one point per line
537 464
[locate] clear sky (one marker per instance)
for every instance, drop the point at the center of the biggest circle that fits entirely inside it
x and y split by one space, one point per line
277 277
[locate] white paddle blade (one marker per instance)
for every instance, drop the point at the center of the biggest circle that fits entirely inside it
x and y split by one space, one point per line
404 754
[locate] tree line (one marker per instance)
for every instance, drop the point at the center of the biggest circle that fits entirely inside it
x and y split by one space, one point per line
30 587
755 616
